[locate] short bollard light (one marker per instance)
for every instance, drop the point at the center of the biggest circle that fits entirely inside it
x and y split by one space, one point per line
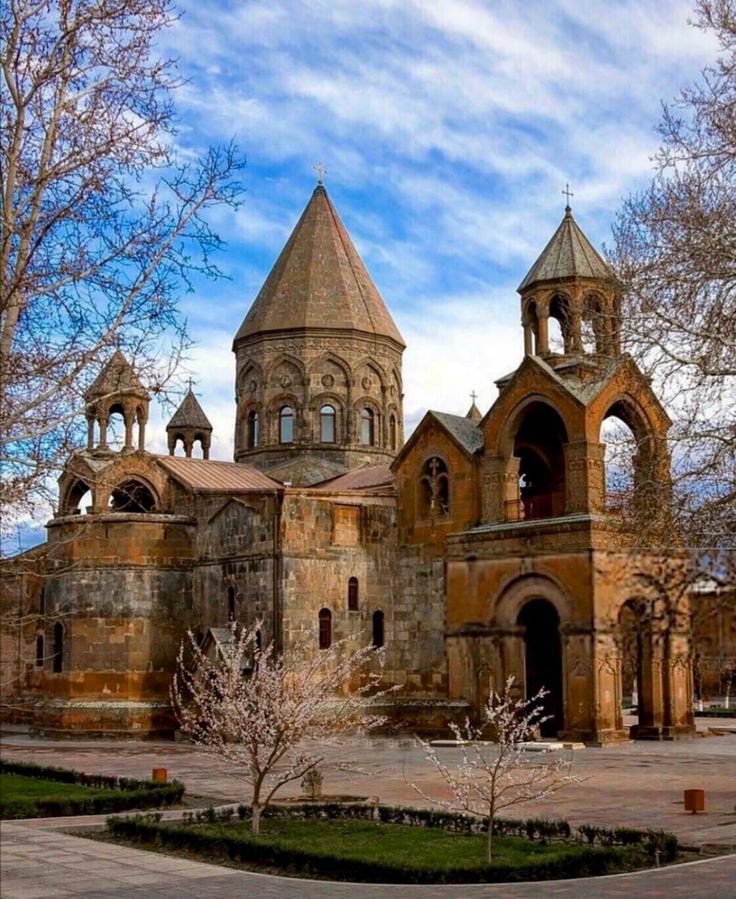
694 801
160 775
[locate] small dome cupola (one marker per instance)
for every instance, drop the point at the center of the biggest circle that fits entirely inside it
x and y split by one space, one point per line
116 390
189 424
572 284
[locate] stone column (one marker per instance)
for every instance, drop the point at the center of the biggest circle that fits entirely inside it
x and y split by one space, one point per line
90 432
129 416
543 336
528 340
103 420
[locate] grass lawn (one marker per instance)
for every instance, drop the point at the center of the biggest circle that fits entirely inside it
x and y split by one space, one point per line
371 842
17 787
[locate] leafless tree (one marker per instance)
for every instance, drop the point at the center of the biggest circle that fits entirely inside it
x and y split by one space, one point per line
272 715
495 770
675 255
102 228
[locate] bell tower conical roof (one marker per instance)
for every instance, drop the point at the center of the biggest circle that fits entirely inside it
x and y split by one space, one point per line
569 254
190 414
319 281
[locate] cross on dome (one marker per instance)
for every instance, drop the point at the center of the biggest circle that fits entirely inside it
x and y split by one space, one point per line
568 193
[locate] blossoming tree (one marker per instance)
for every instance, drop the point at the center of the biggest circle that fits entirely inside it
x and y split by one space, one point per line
273 715
495 769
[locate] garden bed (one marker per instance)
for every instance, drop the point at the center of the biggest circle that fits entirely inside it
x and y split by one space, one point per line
385 844
28 790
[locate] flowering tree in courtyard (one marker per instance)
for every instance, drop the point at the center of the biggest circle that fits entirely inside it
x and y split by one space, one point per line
274 715
492 776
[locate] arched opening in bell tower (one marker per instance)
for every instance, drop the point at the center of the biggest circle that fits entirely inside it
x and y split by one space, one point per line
629 472
539 447
543 661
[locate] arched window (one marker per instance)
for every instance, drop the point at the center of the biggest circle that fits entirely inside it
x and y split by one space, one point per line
325 628
132 496
367 427
353 594
434 489
560 325
378 637
39 650
286 425
252 429
327 424
58 657
231 603
392 432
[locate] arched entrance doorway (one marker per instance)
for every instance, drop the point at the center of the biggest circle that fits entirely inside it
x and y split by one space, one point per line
543 660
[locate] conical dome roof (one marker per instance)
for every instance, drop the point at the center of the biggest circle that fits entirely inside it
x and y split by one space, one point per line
116 377
319 281
190 415
569 254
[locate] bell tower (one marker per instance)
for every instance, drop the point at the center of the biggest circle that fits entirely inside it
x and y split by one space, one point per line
571 286
117 389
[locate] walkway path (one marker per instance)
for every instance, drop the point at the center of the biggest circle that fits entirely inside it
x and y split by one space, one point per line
39 862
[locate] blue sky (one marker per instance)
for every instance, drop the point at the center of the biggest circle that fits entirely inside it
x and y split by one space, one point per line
448 129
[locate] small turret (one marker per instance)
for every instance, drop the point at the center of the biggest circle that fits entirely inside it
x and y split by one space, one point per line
571 283
117 389
189 424
474 413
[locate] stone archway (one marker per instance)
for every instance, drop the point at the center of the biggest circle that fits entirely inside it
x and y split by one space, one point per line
543 661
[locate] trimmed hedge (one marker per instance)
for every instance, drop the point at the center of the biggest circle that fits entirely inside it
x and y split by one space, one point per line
604 851
116 794
535 829
588 861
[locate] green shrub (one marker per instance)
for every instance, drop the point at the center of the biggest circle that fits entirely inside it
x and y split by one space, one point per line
115 794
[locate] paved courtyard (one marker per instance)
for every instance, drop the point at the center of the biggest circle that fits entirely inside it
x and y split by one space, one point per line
637 784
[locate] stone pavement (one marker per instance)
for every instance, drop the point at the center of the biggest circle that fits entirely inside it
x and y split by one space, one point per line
638 784
41 863
632 784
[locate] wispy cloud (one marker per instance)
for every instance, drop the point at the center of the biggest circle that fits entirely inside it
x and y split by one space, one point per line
448 130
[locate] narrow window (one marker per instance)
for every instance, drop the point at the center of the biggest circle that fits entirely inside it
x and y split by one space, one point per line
434 497
392 432
286 425
377 629
39 651
353 594
367 427
325 629
231 603
58 659
42 601
252 429
327 424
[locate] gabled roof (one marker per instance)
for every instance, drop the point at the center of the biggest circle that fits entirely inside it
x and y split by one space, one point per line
569 254
463 431
117 376
368 478
584 392
319 281
210 476
190 415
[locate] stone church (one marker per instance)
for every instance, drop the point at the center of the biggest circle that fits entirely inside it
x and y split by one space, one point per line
483 546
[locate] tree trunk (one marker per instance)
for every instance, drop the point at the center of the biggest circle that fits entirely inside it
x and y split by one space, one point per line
255 822
489 840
